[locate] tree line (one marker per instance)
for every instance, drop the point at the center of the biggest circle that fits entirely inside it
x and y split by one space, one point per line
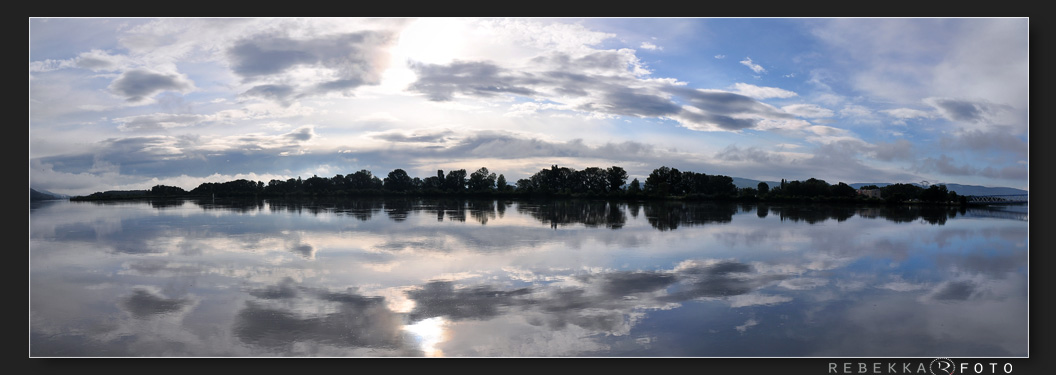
592 182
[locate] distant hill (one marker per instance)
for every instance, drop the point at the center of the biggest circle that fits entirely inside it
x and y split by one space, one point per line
43 195
959 189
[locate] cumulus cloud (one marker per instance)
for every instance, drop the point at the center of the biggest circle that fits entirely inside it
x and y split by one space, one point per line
138 85
754 67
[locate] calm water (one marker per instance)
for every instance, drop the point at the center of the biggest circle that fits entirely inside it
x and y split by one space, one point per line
489 278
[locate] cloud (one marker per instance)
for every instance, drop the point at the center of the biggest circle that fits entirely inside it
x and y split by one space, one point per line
758 92
945 165
333 63
277 92
650 46
97 60
993 139
720 57
158 121
965 110
907 113
858 113
138 85
898 150
602 83
808 110
906 60
754 67
440 83
420 136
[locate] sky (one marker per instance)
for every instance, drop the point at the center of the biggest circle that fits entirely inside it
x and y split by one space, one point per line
130 103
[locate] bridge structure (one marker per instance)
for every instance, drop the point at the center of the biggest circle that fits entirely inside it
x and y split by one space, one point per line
997 199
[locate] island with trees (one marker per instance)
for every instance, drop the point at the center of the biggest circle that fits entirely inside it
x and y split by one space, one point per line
553 182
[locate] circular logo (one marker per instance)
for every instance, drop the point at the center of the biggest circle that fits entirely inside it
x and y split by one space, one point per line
942 366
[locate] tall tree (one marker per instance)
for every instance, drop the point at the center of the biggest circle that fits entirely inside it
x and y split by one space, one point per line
398 180
481 180
616 177
500 183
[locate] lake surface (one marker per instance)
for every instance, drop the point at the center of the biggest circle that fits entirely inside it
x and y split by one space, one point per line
495 278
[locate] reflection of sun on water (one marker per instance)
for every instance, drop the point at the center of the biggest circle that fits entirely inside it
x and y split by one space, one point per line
428 333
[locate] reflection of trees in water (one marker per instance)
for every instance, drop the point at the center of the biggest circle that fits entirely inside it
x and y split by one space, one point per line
998 212
398 209
362 209
166 203
668 215
662 215
241 205
566 212
481 211
907 214
813 214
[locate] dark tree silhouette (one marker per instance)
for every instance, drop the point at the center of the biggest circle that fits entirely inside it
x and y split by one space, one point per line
398 180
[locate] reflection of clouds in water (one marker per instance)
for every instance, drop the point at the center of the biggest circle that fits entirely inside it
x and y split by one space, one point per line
954 291
286 288
350 320
514 336
744 327
440 298
994 264
144 304
609 302
757 300
899 285
803 283
543 291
